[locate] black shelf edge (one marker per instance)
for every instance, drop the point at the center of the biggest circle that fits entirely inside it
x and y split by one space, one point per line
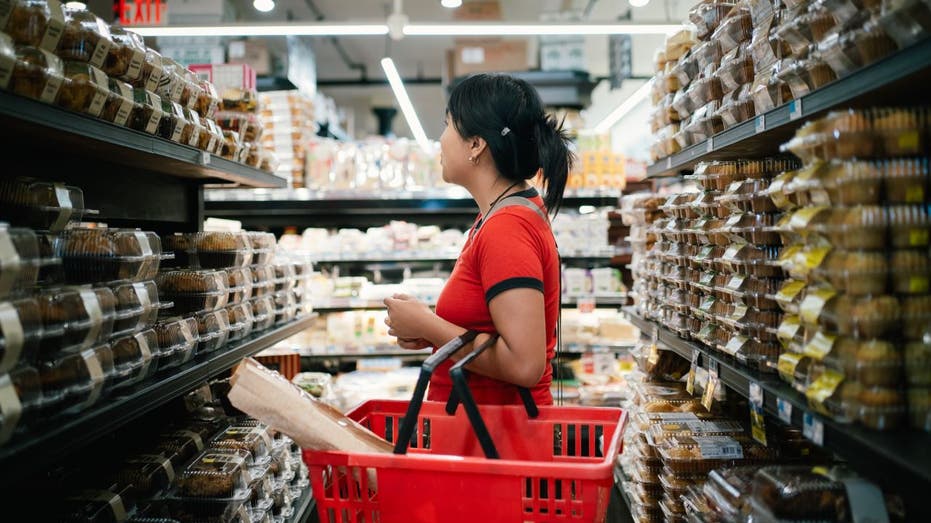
62 130
887 81
899 460
304 507
35 449
600 303
592 258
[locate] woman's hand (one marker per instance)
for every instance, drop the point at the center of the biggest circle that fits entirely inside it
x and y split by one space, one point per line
407 320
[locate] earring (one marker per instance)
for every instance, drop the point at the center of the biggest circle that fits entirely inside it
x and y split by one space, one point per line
472 159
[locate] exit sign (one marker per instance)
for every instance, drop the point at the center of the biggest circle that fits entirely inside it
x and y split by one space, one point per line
140 12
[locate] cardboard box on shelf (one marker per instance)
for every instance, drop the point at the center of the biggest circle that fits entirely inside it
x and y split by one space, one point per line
478 10
253 52
235 76
481 57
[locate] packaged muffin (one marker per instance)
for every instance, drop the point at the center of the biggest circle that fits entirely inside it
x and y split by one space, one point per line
85 38
147 111
75 381
85 88
207 100
20 332
191 90
177 339
285 279
906 21
34 22
216 473
916 317
853 183
840 52
99 505
211 138
743 258
151 74
37 74
245 124
918 363
769 92
194 120
102 255
900 132
735 30
701 454
171 126
263 313
286 307
858 273
705 90
210 250
241 320
172 82
133 357
240 284
799 493
707 16
882 408
873 43
832 396
252 438
905 180
193 291
126 55
179 446
263 278
20 260
146 474
119 105
231 148
213 330
846 315
74 319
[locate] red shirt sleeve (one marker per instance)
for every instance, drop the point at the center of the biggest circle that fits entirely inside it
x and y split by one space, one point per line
509 253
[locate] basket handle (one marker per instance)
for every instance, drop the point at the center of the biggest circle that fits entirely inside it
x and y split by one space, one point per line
406 429
461 393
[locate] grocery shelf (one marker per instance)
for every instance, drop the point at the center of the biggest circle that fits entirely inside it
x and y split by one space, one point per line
402 257
899 460
392 351
47 443
304 507
24 121
355 304
896 79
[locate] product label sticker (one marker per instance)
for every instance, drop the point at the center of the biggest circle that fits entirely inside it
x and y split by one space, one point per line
757 418
65 207
731 253
919 285
178 129
177 89
707 304
156 117
707 279
155 77
95 371
100 94
126 104
909 142
814 256
705 253
735 344
145 352
822 389
195 136
193 436
786 365
867 503
673 416
733 220
100 52
55 26
789 291
802 217
813 429
788 329
813 304
13 336
761 123
740 312
784 410
707 399
50 92
701 428
690 381
135 65
10 407
719 447
220 458
915 194
819 346
705 334
795 109
9 262
918 237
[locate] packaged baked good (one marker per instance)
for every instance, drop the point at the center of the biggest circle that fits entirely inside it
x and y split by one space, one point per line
705 90
285 307
769 92
193 291
37 23
744 258
906 21
210 250
251 437
119 104
858 273
251 154
177 339
801 493
840 52
231 146
147 111
905 180
171 126
701 454
873 43
246 124
126 55
846 315
707 16
99 505
735 30
102 255
213 330
150 76
146 474
20 332
191 89
916 317
853 183
900 131
216 473
263 246
263 313
263 280
179 446
137 306
74 319
196 128
85 88
804 76
802 31
133 357
240 284
208 100
241 320
37 74
85 38
20 260
75 381
172 83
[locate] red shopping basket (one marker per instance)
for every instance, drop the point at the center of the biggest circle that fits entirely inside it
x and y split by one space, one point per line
557 466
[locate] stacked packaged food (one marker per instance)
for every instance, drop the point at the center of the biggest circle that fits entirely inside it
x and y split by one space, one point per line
209 466
67 56
639 211
288 120
739 59
857 237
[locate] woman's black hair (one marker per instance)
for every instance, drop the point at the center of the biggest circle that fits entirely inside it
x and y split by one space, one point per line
508 114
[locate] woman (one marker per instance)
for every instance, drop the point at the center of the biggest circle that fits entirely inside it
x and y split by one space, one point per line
506 280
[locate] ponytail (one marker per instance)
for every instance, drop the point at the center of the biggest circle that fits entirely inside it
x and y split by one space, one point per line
555 160
508 114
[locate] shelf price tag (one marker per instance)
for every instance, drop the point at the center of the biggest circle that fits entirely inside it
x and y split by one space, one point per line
585 304
204 158
669 162
690 381
707 399
709 145
813 429
784 410
653 357
761 123
757 423
795 109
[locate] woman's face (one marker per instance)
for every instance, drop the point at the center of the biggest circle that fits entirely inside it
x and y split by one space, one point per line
454 155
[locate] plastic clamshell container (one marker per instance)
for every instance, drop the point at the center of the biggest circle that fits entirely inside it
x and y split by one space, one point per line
916 317
180 446
263 312
210 250
735 30
263 280
873 43
85 38
240 285
701 454
216 473
37 74
119 105
36 23
285 307
20 261
707 16
126 56
744 258
147 474
133 357
23 391
252 438
74 318
245 124
213 330
241 321
877 227
798 493
840 52
85 88
40 205
147 112
193 291
75 381
103 255
20 332
137 306
846 315
177 339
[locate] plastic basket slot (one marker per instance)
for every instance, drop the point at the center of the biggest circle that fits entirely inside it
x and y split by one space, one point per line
551 498
348 495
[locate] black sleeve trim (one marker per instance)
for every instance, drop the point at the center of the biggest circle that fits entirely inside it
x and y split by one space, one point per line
513 283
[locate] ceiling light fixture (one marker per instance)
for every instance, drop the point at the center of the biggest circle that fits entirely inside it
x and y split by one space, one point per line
263 5
638 3
75 5
503 29
334 29
626 106
397 85
451 4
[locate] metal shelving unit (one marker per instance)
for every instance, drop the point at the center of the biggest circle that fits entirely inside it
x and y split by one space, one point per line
59 436
353 304
898 77
898 460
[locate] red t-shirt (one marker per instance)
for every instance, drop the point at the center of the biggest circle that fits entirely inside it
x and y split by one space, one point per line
513 249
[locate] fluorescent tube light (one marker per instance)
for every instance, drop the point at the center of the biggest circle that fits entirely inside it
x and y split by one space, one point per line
626 106
264 6
503 29
323 29
451 4
394 79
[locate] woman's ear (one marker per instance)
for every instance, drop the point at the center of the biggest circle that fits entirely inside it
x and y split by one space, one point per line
477 146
